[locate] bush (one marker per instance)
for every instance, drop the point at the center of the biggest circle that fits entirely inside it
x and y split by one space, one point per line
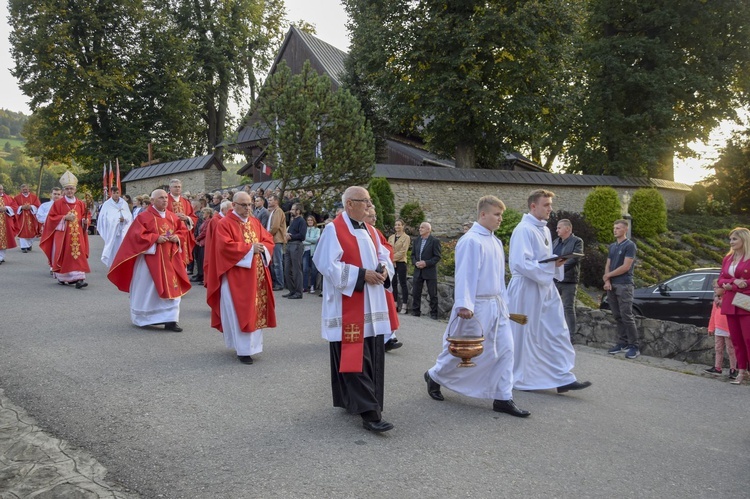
601 209
412 215
592 266
649 212
447 263
511 218
380 187
378 210
695 200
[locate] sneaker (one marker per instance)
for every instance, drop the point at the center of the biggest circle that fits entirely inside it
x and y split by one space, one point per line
632 352
713 370
619 348
733 373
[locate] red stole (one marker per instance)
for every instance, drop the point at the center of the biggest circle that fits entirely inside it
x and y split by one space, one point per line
352 307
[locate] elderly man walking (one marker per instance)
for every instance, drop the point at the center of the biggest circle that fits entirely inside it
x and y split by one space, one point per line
356 269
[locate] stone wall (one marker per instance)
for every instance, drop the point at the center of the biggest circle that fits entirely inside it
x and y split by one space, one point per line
596 328
447 205
193 182
670 340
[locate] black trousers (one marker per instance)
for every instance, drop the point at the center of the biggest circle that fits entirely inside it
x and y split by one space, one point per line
416 305
360 393
400 279
293 266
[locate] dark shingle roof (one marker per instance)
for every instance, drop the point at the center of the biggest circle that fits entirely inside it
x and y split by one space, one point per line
174 167
439 174
330 57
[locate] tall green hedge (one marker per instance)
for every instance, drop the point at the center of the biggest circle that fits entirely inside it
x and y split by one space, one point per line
380 187
412 215
601 209
649 212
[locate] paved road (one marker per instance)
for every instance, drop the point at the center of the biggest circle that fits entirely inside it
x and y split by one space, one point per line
176 415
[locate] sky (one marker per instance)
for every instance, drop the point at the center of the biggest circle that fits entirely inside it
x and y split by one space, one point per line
329 18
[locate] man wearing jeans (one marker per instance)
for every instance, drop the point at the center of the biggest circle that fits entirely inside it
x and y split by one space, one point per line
276 225
618 282
567 243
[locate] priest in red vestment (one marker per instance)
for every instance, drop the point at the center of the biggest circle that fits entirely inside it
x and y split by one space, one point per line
65 241
239 287
7 223
26 223
149 265
184 211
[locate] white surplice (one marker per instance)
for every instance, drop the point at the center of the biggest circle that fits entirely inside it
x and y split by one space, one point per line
340 278
43 211
544 356
110 227
479 287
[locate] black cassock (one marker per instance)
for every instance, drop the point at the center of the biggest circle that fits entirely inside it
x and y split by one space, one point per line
360 393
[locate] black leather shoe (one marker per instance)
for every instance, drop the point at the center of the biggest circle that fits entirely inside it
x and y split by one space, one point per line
576 385
172 326
81 284
196 278
433 389
287 295
509 407
295 296
377 426
245 359
392 344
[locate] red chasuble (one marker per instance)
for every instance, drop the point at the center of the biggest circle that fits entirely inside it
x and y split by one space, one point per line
352 307
188 240
26 223
7 223
252 290
392 311
71 245
166 265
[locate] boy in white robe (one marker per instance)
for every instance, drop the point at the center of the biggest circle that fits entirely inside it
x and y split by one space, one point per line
480 295
544 356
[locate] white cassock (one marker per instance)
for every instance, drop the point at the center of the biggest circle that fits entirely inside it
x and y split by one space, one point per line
340 278
111 228
479 287
146 306
234 336
544 356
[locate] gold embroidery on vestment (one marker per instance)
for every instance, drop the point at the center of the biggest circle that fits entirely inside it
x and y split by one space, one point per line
75 244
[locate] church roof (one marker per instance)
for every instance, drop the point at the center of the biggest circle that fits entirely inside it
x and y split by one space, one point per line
330 58
174 167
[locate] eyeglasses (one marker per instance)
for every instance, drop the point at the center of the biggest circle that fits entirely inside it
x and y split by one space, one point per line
368 202
244 205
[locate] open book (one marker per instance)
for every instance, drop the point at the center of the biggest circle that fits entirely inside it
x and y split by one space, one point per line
561 257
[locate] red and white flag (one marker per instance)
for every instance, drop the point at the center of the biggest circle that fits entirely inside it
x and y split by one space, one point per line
105 191
119 187
111 176
265 169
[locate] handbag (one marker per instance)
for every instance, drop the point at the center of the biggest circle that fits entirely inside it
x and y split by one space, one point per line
742 301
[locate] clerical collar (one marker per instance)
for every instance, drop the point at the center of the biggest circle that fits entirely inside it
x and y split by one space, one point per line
532 219
70 200
244 220
358 225
175 198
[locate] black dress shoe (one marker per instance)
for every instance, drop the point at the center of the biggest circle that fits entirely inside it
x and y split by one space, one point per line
576 385
61 283
509 407
245 359
295 296
433 389
196 278
172 326
377 426
392 344
81 284
23 250
287 295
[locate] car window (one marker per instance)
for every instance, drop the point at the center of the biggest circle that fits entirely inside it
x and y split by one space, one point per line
688 283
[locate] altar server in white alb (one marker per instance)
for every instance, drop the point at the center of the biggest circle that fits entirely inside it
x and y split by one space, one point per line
113 222
481 301
544 356
357 269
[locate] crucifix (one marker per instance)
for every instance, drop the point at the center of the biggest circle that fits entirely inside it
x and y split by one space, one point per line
150 161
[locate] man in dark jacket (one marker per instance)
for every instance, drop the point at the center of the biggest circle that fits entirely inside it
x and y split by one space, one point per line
425 256
566 243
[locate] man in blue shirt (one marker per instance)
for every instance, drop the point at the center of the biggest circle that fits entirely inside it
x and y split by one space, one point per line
618 282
